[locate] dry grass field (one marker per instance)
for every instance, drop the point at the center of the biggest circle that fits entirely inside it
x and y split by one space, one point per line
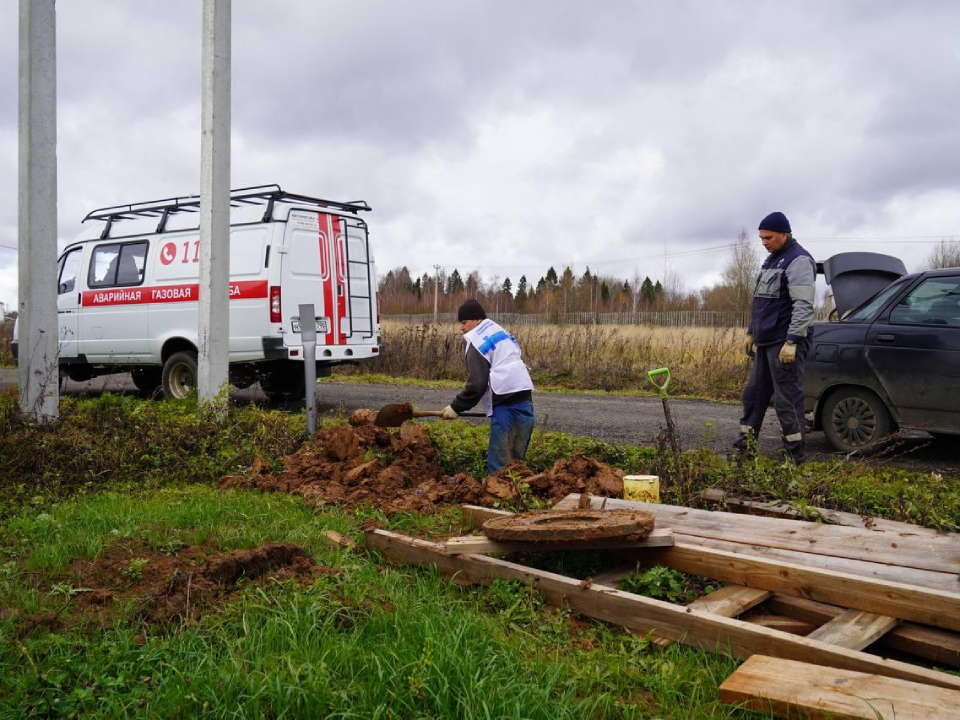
6 334
707 362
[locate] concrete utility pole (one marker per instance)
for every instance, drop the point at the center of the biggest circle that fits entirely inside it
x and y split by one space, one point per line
436 291
38 334
214 320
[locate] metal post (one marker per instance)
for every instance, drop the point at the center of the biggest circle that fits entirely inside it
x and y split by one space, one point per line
308 338
436 291
38 334
214 319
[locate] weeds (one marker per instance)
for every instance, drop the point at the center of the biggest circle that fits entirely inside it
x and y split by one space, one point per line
706 362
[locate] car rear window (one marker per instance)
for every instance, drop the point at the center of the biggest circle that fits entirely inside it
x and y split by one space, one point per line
868 311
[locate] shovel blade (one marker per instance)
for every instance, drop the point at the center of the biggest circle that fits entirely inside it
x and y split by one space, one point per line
394 415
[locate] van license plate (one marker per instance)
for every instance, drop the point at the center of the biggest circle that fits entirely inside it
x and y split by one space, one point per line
321 325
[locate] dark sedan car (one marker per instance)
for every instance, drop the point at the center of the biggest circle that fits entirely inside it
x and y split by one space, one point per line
893 362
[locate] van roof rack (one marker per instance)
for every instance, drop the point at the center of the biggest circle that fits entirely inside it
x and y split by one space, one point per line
256 195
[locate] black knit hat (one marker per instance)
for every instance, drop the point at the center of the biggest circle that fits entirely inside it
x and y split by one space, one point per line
775 222
471 310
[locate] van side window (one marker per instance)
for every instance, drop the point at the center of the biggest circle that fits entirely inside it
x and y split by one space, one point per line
69 267
117 264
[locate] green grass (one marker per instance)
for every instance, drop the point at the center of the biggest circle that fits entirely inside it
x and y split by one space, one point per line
371 641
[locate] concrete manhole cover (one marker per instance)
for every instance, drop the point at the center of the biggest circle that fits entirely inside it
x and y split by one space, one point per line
570 526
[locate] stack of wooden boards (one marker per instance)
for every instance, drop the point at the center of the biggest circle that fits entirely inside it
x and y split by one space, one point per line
815 594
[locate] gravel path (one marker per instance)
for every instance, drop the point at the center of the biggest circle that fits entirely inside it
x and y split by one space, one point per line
612 418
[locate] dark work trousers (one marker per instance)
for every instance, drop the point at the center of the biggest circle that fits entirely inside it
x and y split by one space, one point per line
770 378
510 430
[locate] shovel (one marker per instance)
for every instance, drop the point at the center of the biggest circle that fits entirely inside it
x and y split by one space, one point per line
671 428
397 414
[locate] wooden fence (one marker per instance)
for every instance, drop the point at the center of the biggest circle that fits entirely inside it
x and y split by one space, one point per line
667 318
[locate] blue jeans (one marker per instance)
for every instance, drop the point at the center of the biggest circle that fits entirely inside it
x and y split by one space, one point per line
510 430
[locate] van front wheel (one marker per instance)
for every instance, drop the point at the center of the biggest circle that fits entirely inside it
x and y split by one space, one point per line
180 374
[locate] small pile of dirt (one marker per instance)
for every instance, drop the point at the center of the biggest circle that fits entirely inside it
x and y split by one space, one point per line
362 463
170 586
577 474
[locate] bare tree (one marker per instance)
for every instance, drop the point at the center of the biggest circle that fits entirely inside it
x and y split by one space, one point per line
740 272
945 255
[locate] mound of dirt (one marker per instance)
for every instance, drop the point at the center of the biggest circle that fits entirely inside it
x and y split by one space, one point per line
400 472
171 586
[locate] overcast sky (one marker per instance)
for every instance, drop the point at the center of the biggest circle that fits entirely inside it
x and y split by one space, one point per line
507 137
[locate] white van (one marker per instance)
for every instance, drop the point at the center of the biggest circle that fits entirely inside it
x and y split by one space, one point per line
129 285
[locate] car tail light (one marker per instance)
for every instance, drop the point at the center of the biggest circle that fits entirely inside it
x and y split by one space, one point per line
378 308
275 304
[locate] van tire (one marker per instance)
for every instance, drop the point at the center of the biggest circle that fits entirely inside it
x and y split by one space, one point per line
856 420
147 379
180 375
283 387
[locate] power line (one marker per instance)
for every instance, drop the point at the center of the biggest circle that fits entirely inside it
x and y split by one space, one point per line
885 239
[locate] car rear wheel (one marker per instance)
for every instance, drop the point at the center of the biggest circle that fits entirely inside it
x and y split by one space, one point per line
180 374
855 419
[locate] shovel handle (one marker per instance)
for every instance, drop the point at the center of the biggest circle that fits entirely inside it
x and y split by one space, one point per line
439 413
661 387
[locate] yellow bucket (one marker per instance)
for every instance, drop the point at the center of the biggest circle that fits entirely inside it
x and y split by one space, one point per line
643 488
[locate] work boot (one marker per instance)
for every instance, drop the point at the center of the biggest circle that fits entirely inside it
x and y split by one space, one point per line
745 446
794 456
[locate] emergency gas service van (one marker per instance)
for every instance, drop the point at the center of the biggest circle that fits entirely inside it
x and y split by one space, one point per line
128 291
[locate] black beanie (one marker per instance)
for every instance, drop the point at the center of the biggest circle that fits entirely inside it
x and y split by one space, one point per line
471 310
775 222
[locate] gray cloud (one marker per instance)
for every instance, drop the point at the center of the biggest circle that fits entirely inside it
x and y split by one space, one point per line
534 133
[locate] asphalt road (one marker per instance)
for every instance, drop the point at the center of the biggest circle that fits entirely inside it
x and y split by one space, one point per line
612 418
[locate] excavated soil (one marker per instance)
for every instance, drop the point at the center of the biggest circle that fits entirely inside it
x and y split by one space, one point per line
400 472
165 588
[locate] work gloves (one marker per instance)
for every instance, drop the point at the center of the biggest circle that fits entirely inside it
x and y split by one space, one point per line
748 347
449 413
788 353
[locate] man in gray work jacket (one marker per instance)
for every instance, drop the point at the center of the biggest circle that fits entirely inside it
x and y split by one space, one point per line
779 336
498 378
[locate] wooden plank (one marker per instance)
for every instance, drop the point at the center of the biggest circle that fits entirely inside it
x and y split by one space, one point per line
482 545
923 605
889 573
730 601
889 548
476 515
854 629
922 578
613 576
816 514
779 622
332 537
646 615
790 689
939 646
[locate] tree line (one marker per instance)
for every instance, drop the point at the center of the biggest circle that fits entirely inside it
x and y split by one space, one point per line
563 292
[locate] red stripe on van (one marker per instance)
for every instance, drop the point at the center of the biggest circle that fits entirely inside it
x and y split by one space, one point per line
241 290
339 241
327 278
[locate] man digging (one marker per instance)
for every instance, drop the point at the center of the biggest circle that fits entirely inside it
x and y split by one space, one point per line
496 376
777 338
